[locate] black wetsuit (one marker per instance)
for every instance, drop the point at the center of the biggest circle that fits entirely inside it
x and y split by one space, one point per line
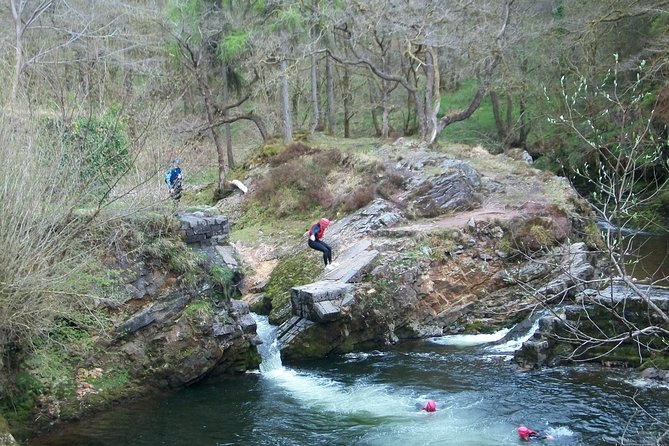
320 245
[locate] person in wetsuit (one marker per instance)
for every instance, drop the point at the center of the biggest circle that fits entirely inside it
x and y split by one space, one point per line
527 434
316 233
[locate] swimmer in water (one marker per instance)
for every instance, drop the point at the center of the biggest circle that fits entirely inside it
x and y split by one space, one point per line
430 406
527 434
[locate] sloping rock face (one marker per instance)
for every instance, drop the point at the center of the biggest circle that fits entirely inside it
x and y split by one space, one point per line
179 334
452 185
172 342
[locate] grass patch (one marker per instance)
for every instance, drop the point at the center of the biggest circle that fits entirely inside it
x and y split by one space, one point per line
199 309
224 280
440 244
177 257
480 126
110 381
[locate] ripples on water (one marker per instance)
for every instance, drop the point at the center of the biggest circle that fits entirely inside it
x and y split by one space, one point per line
370 399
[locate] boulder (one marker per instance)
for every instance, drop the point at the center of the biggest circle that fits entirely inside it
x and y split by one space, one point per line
456 188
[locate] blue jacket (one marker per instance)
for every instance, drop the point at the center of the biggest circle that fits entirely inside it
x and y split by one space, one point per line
171 176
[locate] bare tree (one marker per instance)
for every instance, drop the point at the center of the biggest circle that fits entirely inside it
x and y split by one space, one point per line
24 19
419 30
617 311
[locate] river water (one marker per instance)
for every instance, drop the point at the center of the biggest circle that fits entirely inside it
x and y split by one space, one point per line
370 398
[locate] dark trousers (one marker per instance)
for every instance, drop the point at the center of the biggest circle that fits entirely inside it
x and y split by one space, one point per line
320 245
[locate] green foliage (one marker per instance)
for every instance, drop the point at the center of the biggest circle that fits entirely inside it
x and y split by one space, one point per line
384 290
110 381
177 257
290 18
99 144
185 12
47 368
223 278
199 309
440 243
19 401
233 45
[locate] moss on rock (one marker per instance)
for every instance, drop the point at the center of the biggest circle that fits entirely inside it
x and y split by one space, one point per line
292 271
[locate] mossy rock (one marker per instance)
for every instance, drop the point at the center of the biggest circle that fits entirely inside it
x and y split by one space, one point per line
539 232
293 270
657 361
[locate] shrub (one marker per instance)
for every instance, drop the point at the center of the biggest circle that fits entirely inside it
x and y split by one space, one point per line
291 152
360 198
297 185
99 146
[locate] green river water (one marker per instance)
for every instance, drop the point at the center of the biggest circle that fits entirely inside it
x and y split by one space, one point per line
370 398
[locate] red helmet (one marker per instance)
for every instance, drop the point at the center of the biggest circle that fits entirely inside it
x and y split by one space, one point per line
430 406
525 432
324 222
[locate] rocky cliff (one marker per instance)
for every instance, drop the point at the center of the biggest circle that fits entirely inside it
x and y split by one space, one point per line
466 245
171 316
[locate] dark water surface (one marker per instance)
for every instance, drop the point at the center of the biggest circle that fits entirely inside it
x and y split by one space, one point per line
651 259
369 399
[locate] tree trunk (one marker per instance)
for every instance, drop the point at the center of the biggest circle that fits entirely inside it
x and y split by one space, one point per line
522 105
432 92
329 73
483 86
226 127
315 115
419 99
372 111
499 123
347 102
385 87
18 48
285 95
410 122
208 107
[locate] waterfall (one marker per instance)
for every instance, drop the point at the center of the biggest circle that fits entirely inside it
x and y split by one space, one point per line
269 349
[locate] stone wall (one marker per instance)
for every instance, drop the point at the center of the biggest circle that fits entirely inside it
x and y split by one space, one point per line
198 228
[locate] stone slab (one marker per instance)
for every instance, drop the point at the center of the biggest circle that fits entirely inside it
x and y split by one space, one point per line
352 269
327 310
226 253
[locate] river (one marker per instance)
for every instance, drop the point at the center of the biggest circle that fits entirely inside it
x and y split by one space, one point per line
651 259
370 398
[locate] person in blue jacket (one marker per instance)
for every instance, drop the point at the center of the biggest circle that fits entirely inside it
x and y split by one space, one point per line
174 180
315 233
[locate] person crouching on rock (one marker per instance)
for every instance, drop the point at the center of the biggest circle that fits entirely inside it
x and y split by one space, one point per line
315 234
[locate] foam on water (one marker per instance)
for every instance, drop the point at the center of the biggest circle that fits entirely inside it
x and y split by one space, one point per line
514 344
559 431
644 383
362 356
323 394
469 339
